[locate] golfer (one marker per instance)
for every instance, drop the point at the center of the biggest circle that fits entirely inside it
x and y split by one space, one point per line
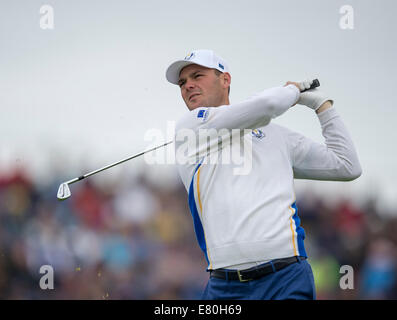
247 224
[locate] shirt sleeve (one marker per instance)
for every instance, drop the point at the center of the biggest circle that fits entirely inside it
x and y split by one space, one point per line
255 112
336 160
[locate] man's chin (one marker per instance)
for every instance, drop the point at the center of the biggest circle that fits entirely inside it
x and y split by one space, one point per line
194 105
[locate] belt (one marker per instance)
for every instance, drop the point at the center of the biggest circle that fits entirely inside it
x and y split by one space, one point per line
254 272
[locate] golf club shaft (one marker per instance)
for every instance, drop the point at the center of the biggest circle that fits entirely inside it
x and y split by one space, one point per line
115 164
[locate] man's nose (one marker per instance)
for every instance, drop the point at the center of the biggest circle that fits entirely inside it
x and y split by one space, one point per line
189 84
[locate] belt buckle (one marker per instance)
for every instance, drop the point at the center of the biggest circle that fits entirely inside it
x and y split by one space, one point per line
240 277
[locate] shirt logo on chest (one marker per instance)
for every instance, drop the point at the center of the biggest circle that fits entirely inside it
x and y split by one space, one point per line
203 114
258 133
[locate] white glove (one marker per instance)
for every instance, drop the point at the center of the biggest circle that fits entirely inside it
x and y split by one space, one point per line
305 84
312 98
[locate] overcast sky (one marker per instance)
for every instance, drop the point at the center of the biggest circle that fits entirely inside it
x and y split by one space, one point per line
87 90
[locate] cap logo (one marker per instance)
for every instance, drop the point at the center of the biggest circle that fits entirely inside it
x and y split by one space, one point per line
189 56
221 66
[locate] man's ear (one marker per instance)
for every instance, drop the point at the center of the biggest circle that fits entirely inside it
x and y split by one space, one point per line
227 79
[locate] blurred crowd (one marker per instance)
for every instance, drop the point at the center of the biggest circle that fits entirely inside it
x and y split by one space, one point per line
135 240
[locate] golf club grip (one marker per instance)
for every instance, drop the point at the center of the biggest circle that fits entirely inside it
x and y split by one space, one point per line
315 84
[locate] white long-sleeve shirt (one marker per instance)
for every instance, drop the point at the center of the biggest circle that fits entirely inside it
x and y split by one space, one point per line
252 216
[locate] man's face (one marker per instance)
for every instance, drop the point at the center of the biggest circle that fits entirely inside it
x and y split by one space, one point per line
201 87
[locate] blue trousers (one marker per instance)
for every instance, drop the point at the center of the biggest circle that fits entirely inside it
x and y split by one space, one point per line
292 282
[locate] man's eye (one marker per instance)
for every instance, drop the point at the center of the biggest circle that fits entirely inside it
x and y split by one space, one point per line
198 75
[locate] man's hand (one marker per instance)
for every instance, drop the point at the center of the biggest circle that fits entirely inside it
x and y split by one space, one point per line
312 98
300 85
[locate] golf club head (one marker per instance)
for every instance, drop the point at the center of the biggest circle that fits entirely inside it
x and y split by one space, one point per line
63 192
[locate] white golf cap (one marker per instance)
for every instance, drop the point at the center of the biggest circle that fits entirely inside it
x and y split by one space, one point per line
205 58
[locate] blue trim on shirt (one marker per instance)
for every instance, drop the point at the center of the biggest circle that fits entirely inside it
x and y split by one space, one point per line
198 227
300 231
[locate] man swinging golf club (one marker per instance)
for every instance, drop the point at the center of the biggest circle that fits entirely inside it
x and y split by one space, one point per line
248 225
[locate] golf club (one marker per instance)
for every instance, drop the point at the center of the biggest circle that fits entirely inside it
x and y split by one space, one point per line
64 190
